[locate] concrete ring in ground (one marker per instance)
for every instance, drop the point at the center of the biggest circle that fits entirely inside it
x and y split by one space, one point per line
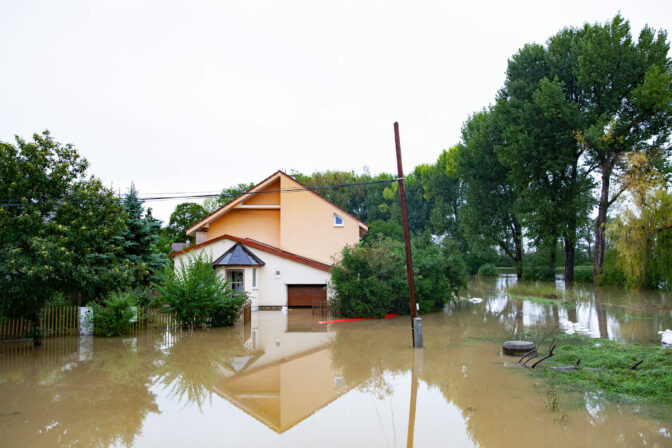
517 347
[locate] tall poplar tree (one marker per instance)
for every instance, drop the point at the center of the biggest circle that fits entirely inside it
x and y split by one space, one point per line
541 152
489 211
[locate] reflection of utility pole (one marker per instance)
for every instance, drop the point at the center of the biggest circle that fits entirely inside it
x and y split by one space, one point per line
416 323
415 373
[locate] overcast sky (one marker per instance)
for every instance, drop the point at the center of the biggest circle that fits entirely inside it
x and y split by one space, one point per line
196 96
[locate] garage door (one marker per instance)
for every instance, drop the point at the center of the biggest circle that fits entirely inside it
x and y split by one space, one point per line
303 295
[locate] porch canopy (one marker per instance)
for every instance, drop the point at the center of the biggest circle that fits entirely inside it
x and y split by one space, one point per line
238 255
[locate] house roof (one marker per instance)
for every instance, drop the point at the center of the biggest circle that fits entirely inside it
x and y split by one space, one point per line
260 186
261 246
238 255
271 416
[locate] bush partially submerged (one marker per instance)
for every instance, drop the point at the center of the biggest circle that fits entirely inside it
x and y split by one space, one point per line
488 270
197 295
370 279
583 273
113 317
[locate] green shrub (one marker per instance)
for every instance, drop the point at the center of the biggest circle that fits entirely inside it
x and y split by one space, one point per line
197 295
57 299
227 311
583 273
370 279
439 273
142 296
476 256
488 270
113 317
538 267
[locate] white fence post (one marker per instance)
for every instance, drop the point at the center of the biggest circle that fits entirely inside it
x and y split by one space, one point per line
85 321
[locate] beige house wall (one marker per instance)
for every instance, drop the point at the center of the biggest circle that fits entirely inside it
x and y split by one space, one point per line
270 195
307 225
260 225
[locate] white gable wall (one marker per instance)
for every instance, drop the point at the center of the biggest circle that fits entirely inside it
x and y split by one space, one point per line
271 291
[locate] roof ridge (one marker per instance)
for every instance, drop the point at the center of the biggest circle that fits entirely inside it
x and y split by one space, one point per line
258 245
234 200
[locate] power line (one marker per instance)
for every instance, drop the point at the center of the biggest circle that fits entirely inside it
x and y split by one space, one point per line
283 190
199 195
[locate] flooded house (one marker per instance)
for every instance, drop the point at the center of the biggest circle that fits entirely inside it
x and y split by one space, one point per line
276 242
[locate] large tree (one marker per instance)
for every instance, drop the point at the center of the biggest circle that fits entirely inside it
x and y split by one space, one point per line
489 212
142 237
624 95
540 149
184 216
59 230
34 177
444 188
87 236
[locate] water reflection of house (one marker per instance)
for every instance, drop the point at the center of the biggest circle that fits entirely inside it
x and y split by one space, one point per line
290 377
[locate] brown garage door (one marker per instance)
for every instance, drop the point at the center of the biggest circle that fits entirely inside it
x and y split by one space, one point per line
303 295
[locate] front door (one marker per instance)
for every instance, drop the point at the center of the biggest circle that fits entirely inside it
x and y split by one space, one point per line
237 280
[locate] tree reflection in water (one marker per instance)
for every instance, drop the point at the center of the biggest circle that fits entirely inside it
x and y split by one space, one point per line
98 402
197 361
99 395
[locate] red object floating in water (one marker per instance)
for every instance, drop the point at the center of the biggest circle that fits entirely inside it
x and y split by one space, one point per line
353 319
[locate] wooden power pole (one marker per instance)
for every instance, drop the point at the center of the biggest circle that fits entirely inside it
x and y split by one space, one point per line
417 338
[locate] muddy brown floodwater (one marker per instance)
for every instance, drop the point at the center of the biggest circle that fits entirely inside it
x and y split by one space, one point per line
285 380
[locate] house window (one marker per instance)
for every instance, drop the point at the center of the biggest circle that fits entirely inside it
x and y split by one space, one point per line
254 278
338 221
236 279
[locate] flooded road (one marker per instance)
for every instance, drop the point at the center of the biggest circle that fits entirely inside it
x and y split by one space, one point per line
285 380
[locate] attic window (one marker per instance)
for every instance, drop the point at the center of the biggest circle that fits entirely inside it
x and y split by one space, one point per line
338 221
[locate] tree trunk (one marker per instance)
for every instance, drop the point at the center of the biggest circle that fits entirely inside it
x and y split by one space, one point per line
553 252
601 312
589 240
569 262
601 220
570 250
518 242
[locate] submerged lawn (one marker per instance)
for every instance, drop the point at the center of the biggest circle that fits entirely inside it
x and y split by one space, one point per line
651 381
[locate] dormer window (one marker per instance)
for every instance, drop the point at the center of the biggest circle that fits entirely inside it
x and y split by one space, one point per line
338 221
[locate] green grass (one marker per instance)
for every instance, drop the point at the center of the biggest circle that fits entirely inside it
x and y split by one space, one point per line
582 273
545 290
651 382
540 300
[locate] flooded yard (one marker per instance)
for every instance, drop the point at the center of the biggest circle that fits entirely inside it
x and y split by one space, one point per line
286 380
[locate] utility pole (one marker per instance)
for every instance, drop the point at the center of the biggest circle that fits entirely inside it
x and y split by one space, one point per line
416 322
415 373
